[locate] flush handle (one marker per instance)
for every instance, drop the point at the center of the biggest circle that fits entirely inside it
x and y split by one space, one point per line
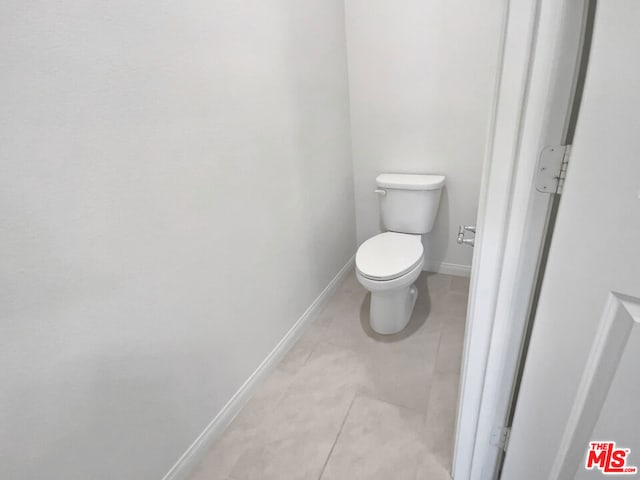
461 233
380 191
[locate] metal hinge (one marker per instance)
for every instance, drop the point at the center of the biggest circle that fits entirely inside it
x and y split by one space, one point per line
500 437
552 168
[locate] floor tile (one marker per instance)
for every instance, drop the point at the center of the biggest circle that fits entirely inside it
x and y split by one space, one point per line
430 469
298 355
451 303
401 374
435 282
378 441
221 459
345 320
451 344
389 400
316 330
306 422
399 366
460 284
245 428
350 283
297 457
439 430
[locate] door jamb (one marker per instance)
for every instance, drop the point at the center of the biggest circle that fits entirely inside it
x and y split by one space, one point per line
530 111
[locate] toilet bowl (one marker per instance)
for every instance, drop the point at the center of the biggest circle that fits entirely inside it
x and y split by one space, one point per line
387 265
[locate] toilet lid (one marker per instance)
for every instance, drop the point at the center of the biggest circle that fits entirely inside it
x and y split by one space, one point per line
389 255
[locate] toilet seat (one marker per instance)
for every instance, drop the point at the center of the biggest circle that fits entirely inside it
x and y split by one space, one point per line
389 255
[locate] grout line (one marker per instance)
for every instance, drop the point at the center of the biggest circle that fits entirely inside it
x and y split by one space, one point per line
370 396
344 420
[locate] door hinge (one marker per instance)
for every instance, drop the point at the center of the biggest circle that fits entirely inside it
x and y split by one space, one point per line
500 437
552 168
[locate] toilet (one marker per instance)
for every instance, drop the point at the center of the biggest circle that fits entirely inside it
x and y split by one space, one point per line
389 263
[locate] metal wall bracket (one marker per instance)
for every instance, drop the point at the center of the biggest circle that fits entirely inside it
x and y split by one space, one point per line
552 168
466 241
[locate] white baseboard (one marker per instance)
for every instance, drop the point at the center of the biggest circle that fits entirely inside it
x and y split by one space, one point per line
196 452
448 268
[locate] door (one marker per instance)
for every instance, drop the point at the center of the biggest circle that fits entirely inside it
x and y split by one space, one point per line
581 381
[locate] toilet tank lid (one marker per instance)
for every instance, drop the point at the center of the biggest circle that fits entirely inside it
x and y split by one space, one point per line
408 181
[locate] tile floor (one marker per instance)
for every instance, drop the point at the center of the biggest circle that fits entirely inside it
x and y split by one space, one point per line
346 403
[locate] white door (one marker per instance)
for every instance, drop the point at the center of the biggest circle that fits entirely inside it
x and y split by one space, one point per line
581 380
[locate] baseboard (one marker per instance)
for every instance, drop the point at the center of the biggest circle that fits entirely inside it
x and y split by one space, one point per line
448 268
196 452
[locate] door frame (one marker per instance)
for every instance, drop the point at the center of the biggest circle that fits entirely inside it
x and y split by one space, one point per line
540 44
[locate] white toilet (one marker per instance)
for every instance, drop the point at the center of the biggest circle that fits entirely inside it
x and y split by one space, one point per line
389 263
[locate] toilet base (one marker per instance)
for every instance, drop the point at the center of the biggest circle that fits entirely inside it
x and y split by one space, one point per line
390 311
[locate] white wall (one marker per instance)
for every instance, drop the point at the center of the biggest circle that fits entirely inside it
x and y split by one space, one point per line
176 190
421 76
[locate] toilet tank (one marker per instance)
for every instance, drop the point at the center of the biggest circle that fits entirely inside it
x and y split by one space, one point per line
409 202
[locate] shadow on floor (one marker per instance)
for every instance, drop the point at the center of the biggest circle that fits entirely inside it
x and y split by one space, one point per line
418 317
